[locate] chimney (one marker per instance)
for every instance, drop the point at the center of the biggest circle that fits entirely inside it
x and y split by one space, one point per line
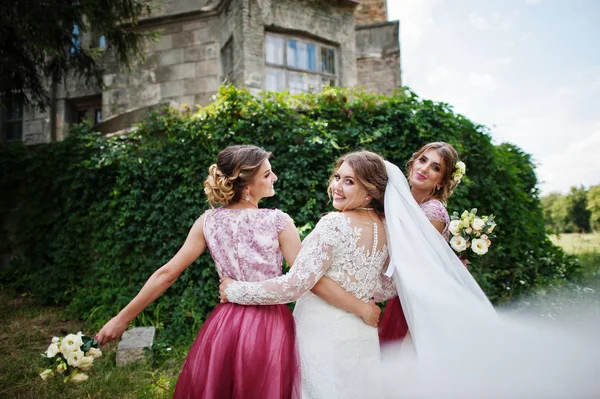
370 12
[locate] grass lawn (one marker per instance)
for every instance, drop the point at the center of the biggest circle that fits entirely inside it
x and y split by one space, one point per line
26 330
578 243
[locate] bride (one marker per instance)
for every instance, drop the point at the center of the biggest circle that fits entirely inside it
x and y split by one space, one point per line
338 351
463 347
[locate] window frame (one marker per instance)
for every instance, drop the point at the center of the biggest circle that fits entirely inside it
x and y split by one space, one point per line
8 103
320 74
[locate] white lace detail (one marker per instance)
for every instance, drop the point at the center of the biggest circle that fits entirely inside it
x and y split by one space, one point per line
335 248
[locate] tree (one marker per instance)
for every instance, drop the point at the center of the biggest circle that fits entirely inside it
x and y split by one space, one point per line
40 42
578 211
593 206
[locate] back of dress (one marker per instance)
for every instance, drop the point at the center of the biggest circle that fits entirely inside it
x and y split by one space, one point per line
244 243
359 256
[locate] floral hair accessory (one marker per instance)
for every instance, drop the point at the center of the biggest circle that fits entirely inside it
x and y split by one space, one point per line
459 171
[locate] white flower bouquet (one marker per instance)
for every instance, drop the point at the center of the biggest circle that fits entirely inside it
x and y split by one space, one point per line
71 356
470 231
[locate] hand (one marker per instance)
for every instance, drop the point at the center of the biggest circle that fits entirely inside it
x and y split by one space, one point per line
370 313
112 330
225 281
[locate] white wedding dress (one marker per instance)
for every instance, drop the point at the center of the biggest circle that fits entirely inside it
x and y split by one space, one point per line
339 353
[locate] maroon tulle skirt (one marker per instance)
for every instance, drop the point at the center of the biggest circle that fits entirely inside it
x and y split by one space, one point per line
243 352
392 325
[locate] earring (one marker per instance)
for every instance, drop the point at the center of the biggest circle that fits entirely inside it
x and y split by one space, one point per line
247 197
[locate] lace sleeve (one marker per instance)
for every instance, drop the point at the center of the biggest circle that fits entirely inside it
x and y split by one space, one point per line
310 265
387 288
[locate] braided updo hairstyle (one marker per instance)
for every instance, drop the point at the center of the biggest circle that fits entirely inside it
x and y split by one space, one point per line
236 167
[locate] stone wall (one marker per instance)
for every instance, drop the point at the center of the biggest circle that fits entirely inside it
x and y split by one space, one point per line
370 12
378 57
326 21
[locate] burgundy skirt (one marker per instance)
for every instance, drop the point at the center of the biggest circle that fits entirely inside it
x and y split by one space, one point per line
392 326
243 352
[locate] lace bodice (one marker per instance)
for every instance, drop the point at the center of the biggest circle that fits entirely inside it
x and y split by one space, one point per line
244 243
435 210
353 256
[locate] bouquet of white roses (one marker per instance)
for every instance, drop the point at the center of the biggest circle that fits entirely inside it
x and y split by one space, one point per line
71 356
470 231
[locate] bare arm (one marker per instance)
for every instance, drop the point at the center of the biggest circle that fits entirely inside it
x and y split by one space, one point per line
439 225
332 293
158 283
290 243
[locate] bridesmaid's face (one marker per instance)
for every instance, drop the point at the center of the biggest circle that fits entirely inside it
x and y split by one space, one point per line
262 186
426 172
347 192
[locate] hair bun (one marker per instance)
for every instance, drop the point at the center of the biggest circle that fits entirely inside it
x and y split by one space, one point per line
217 187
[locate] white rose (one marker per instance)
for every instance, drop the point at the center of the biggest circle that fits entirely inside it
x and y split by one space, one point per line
55 340
79 377
468 230
458 243
70 343
479 246
93 352
52 350
86 362
478 223
74 357
454 227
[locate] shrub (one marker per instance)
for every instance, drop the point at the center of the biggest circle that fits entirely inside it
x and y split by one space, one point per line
96 216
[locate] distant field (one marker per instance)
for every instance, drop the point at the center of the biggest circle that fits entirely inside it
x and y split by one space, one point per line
576 243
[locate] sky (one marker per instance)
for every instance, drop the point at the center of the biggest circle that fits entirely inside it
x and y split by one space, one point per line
529 70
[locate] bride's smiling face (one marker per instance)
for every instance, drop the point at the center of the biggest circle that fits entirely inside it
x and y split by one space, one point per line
346 191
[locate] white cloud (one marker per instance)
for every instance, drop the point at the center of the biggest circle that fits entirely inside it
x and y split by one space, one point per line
478 21
484 81
438 75
579 163
501 61
497 21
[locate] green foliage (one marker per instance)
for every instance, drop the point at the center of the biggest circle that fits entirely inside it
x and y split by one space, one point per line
569 213
593 206
97 216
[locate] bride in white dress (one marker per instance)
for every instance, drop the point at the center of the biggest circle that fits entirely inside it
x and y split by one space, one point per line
338 351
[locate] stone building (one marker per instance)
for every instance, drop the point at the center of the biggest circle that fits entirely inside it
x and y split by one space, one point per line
294 45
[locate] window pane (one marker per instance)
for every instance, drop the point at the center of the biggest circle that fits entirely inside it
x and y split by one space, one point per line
275 79
98 116
274 49
327 60
102 42
303 83
302 55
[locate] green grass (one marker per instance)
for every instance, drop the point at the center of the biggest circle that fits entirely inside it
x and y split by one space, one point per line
576 243
25 332
587 249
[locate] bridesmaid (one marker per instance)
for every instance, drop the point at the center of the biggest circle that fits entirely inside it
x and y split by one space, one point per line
433 176
241 351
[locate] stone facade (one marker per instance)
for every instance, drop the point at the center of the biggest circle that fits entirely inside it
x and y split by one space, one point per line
206 42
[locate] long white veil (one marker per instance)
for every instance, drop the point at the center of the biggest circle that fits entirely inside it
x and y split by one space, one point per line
463 347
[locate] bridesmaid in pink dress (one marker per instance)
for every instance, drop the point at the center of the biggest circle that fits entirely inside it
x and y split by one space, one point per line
432 180
241 351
